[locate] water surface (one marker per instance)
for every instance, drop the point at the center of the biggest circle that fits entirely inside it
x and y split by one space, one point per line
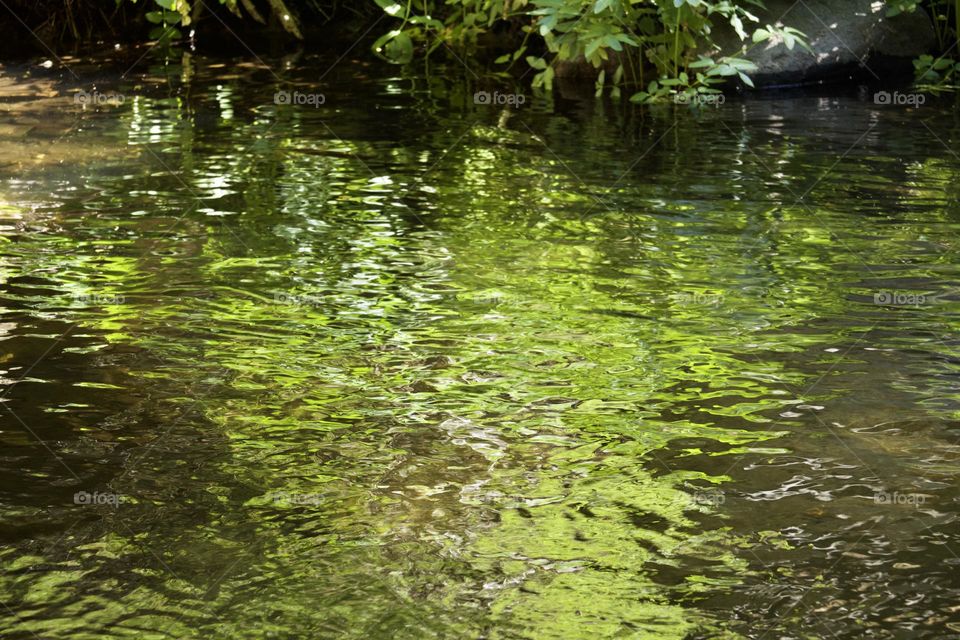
405 366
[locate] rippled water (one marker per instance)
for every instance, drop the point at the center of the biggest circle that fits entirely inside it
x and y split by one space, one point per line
404 366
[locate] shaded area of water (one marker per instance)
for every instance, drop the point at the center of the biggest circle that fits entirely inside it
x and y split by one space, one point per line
403 366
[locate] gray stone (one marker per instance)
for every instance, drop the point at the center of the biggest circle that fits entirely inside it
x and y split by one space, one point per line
844 35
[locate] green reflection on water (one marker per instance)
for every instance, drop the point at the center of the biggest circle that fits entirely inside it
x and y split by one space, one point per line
377 372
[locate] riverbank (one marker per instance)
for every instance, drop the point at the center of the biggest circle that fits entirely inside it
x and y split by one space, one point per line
801 45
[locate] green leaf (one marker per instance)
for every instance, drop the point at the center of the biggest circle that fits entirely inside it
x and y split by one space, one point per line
548 78
740 64
163 17
536 63
395 47
427 21
722 70
592 48
612 42
391 7
547 24
601 5
163 34
400 49
737 25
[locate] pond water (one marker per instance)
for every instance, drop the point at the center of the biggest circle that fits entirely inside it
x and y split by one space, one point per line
402 365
